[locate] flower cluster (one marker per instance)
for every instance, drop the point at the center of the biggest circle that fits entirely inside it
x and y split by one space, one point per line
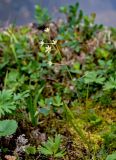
53 42
47 46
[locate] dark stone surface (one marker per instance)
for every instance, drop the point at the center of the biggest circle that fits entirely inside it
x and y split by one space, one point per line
22 11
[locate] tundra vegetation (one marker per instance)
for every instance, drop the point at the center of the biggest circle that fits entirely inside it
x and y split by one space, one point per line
58 89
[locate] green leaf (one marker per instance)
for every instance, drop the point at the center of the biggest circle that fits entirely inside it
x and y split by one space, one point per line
57 101
111 84
41 15
52 147
111 156
60 154
93 77
7 105
102 53
45 151
7 127
14 80
57 142
30 150
63 9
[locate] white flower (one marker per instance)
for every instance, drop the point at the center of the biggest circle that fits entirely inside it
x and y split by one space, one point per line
54 42
71 88
47 30
91 25
48 49
74 79
41 43
50 63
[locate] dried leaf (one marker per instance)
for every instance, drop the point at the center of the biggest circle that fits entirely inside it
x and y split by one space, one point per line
8 157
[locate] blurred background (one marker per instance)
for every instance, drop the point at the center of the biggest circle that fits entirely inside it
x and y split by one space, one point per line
22 11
